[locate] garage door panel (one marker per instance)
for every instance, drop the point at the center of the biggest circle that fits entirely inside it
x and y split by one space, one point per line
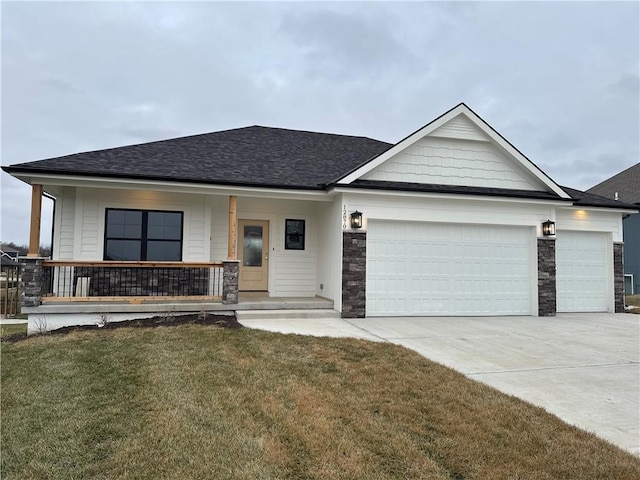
448 269
581 271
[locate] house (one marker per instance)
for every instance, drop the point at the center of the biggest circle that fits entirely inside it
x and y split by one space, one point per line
625 187
8 255
451 220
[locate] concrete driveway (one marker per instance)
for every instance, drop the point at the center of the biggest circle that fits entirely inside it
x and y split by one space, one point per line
584 368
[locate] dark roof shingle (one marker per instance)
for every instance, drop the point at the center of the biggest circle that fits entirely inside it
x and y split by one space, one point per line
586 199
626 184
255 156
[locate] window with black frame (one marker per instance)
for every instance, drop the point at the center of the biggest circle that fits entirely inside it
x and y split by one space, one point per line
294 235
143 235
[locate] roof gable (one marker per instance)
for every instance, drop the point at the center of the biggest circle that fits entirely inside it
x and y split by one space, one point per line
458 148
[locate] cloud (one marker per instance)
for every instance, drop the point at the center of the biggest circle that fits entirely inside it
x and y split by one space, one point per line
340 45
558 80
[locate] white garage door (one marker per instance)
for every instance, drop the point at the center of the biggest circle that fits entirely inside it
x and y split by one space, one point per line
416 268
581 271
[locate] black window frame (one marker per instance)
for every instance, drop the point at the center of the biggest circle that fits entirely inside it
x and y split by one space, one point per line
144 239
299 246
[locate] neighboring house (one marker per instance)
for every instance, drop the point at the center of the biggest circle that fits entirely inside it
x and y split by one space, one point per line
625 187
451 220
8 255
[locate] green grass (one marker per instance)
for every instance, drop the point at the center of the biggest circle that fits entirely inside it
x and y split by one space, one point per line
196 401
12 329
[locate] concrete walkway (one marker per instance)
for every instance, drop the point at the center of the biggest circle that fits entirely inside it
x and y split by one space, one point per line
12 321
584 368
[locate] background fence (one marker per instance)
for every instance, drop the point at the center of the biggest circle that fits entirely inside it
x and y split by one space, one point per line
9 290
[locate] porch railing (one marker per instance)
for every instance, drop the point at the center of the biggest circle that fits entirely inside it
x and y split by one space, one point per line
86 280
10 289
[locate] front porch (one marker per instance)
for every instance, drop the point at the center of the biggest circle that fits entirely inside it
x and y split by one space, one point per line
51 315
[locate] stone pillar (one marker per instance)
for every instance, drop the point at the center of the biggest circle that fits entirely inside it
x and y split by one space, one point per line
354 274
618 278
31 281
230 275
546 277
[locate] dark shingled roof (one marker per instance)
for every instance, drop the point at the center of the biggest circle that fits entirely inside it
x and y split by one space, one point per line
269 157
252 156
584 199
454 189
626 184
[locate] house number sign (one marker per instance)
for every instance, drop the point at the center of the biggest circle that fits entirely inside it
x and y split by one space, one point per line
344 217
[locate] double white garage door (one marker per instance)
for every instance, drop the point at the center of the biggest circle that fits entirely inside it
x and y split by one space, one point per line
417 268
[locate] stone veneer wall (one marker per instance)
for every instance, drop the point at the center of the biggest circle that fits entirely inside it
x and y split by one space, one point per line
354 274
230 282
32 281
137 281
618 278
546 277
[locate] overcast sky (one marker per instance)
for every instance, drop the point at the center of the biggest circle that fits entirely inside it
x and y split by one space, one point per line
559 80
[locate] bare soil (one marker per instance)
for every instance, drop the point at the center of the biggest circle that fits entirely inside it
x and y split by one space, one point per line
223 321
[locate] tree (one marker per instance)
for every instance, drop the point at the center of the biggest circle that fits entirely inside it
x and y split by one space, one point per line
23 250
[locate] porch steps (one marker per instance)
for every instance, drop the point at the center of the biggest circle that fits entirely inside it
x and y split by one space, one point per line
287 314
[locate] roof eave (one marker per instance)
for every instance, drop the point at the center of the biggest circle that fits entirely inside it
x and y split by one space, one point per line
23 174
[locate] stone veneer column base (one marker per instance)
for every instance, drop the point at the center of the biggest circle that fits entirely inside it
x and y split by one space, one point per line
547 277
354 274
230 276
618 277
31 280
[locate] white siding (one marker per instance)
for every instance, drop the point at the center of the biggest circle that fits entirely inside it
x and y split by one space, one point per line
586 220
91 243
460 127
219 227
196 244
65 210
447 161
90 215
449 210
291 272
330 252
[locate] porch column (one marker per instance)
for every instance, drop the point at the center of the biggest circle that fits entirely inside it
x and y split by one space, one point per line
31 281
233 221
36 215
231 271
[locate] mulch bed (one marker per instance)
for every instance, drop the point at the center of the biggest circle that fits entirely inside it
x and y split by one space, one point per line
222 321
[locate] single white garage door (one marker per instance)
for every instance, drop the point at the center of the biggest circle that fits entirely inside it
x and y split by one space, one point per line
581 271
418 268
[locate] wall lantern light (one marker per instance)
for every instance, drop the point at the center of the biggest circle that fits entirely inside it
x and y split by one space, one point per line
548 228
356 220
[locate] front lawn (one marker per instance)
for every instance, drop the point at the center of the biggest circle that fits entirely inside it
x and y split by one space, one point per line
200 402
13 329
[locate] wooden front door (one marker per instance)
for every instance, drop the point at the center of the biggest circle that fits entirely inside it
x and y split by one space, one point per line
253 253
